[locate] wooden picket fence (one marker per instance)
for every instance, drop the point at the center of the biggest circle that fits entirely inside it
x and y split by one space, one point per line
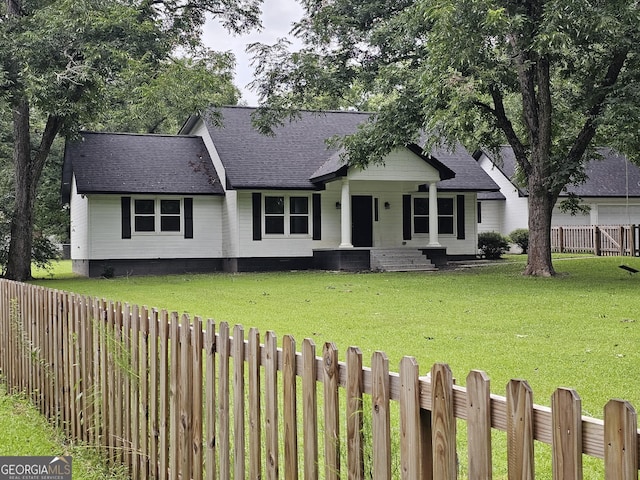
601 240
175 397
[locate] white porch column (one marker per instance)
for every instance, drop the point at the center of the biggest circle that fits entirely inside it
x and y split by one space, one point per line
433 215
345 215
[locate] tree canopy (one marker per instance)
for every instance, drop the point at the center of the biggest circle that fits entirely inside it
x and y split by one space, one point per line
158 98
544 76
63 61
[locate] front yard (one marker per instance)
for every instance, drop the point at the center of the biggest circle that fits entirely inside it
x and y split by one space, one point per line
579 330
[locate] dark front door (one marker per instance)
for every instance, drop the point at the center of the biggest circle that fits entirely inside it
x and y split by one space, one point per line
362 221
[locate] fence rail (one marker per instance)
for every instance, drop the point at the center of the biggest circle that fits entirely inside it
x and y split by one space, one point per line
175 397
601 240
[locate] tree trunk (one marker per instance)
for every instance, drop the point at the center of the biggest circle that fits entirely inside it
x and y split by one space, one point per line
19 258
540 208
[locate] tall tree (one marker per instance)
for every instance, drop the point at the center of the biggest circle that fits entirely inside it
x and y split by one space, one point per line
59 57
159 99
544 76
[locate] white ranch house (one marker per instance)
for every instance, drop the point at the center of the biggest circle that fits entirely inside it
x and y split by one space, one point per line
226 198
611 193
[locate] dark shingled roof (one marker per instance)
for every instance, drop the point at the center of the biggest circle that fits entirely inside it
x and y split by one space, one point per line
606 176
297 156
469 175
286 160
131 163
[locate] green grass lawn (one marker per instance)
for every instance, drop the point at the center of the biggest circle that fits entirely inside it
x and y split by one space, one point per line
580 329
24 432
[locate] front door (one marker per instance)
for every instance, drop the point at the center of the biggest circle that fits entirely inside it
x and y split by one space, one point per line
362 220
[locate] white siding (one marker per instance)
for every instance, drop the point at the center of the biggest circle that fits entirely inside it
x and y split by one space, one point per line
516 211
492 213
406 166
620 214
270 246
230 225
79 216
454 246
603 211
107 242
387 230
200 129
468 246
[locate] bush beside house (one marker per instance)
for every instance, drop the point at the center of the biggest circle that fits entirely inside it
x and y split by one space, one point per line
520 236
492 245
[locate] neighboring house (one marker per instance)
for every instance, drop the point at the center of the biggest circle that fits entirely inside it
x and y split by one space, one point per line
228 198
611 193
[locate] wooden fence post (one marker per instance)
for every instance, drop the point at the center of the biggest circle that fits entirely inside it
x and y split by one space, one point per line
210 395
621 441
174 408
355 447
381 427
134 393
197 400
479 425
163 409
566 411
126 377
143 380
255 424
331 411
561 239
597 241
310 409
290 411
410 449
238 402
222 347
444 423
271 406
520 430
185 398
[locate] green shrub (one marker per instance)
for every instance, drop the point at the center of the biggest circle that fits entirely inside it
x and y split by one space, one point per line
520 236
492 244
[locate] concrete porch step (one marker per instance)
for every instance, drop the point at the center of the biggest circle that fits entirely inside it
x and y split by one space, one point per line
400 260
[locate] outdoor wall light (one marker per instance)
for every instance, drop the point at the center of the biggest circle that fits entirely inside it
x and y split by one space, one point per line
387 205
338 206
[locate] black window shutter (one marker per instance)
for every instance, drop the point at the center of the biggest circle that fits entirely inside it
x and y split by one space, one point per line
256 200
188 218
406 217
125 204
317 217
460 217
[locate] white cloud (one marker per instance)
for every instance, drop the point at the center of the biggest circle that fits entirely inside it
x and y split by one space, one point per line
277 19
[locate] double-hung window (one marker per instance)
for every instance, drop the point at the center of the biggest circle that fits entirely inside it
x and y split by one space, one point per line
286 215
446 215
157 215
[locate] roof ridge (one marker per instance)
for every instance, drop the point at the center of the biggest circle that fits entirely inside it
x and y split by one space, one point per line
307 110
135 134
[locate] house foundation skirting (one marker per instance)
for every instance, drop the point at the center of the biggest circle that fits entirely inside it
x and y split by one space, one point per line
340 259
344 259
169 266
133 267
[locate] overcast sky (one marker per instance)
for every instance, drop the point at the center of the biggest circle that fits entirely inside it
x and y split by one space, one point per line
277 17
